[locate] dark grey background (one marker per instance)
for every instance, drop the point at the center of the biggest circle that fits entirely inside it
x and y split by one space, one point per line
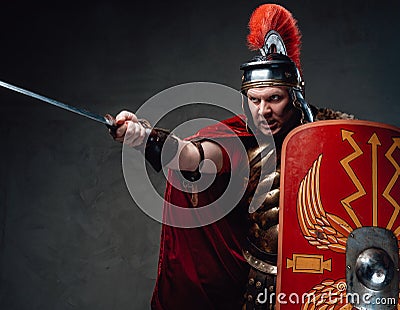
71 236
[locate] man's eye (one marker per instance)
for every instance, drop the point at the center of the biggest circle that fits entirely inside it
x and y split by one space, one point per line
254 100
275 98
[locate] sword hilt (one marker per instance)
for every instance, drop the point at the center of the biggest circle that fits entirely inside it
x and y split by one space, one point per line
111 124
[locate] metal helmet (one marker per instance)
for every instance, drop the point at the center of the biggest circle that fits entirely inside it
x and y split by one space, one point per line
274 32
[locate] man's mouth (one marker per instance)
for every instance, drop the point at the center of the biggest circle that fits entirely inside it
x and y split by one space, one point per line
268 123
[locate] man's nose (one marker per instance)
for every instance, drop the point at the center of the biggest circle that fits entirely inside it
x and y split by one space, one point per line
264 108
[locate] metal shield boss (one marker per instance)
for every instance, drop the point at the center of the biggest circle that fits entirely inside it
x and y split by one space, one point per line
339 226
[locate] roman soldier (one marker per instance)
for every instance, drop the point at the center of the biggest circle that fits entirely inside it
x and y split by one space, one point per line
209 267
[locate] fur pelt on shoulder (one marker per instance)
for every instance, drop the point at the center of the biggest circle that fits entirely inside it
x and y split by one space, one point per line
329 114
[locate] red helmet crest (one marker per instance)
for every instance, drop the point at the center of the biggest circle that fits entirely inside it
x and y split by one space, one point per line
269 17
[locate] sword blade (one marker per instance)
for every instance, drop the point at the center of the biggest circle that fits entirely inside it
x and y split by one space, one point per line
85 113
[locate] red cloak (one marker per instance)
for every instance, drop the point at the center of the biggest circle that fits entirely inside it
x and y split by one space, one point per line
203 267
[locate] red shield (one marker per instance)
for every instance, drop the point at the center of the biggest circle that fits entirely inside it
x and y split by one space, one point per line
336 176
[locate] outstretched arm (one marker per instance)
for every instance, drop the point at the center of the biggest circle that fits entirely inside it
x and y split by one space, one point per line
132 132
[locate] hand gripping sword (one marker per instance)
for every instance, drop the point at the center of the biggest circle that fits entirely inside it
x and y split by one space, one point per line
107 120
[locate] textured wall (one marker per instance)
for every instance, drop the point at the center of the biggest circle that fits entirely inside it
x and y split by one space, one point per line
71 236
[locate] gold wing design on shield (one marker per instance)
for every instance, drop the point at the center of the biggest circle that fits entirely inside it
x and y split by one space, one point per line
327 295
321 229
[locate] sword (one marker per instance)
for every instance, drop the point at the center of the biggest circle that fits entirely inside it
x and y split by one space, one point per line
107 120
